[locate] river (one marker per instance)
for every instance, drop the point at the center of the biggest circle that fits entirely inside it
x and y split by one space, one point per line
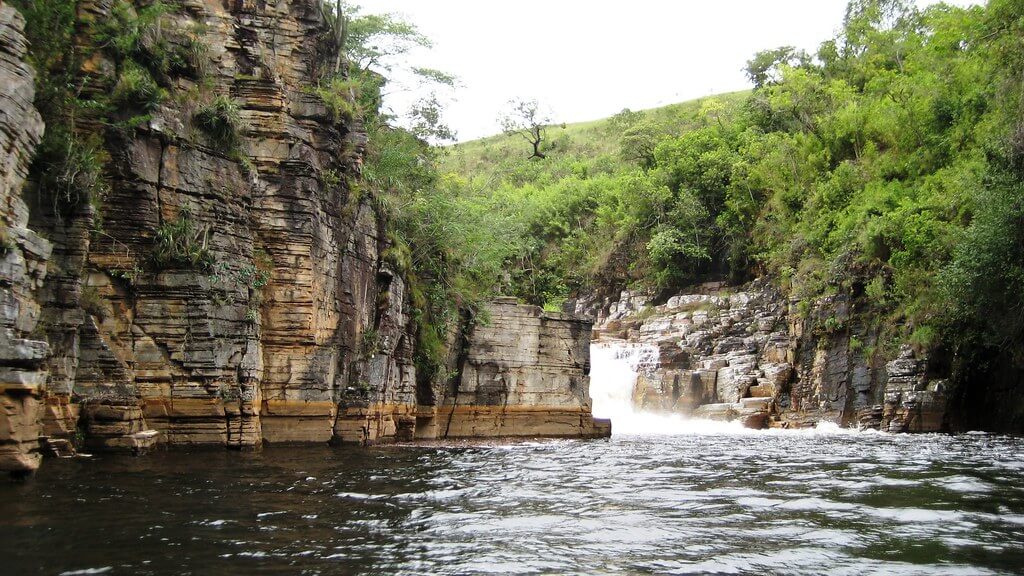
661 496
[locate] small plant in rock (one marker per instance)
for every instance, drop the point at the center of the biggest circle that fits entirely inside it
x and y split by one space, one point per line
339 95
190 58
222 121
856 344
330 178
6 242
554 305
370 345
128 275
182 244
833 325
136 89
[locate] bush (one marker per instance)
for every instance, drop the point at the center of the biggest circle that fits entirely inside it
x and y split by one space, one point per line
136 89
339 95
222 121
181 244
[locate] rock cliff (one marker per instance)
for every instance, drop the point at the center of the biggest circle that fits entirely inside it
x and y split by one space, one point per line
525 372
228 289
752 354
23 256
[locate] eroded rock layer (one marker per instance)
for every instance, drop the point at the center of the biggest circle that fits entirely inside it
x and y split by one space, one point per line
525 373
749 353
23 256
259 340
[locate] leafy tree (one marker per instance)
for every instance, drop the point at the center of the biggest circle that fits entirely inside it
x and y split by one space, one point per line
639 142
374 41
765 68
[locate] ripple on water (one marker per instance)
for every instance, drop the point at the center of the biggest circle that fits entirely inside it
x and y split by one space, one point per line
801 502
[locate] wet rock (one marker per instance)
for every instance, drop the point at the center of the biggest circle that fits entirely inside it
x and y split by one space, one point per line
912 403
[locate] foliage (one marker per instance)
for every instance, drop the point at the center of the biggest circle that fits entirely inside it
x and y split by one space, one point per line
136 89
148 52
375 40
766 67
887 164
222 121
339 95
987 271
181 244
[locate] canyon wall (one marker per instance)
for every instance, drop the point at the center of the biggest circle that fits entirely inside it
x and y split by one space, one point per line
752 354
257 337
230 292
23 256
525 372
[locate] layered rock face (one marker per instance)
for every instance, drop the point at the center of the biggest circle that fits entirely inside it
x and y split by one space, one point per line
748 353
261 342
525 372
232 292
23 256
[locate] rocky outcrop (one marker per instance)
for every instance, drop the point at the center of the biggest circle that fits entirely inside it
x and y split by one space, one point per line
913 401
525 372
288 326
752 354
23 256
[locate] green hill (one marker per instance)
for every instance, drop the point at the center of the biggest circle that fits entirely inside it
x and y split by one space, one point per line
593 142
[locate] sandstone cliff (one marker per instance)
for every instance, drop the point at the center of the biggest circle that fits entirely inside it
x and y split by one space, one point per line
259 340
228 286
525 372
750 353
23 255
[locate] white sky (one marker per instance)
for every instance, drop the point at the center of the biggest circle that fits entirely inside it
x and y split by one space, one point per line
590 59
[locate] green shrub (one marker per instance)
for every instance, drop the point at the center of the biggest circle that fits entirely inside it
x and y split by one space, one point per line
70 168
221 119
136 89
370 345
181 244
339 95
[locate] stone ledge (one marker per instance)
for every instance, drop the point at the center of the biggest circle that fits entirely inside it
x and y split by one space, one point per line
519 421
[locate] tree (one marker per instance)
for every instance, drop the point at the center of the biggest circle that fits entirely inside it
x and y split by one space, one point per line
527 120
376 40
765 68
639 141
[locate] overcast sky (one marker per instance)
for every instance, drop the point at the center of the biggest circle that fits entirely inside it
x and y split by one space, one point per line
587 59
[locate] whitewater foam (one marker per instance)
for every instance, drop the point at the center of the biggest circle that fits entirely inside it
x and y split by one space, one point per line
614 370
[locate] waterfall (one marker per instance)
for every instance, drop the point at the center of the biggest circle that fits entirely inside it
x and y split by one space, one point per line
614 368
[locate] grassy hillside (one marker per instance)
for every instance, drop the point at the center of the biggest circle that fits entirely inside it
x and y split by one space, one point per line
596 143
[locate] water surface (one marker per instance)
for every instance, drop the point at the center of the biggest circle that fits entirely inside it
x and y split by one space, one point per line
711 501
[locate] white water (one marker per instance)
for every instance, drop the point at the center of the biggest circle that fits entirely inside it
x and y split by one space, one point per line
614 368
613 373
